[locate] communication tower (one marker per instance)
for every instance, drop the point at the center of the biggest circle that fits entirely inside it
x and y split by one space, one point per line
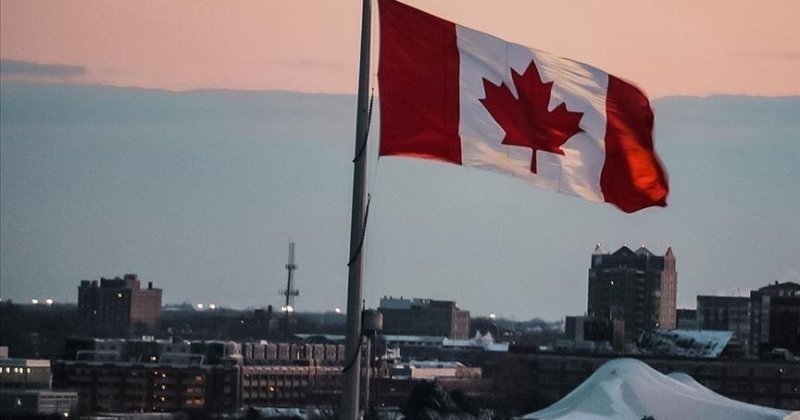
290 292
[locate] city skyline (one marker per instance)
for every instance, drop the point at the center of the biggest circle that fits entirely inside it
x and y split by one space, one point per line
201 192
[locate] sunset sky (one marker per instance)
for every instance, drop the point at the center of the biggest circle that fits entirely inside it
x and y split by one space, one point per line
669 48
200 191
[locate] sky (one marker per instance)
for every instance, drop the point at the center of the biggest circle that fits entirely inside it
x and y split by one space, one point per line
199 181
679 47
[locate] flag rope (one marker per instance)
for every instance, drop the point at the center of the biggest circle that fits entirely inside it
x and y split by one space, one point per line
363 233
369 123
369 196
358 349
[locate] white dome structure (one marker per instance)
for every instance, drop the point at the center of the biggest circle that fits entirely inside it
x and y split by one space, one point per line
630 389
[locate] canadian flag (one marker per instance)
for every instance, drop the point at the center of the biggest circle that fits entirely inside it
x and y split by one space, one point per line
457 95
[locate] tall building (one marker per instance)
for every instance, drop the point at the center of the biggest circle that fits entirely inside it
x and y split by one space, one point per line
424 317
726 313
116 306
638 288
775 318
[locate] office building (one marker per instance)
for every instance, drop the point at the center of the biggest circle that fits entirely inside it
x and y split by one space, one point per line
726 313
638 288
775 319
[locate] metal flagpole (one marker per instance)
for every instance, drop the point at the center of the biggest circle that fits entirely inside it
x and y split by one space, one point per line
350 392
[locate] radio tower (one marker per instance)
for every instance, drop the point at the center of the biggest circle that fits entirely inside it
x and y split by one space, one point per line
290 292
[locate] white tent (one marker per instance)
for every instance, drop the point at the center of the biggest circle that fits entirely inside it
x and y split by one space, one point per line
630 389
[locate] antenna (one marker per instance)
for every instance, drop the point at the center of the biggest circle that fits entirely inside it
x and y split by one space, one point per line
290 292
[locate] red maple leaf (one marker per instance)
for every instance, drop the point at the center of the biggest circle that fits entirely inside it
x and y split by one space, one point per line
526 120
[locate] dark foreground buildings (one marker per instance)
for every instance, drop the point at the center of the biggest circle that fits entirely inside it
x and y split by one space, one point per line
26 392
199 376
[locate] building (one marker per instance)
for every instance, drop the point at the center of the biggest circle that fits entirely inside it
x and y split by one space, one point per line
593 334
775 318
726 313
115 375
686 319
638 288
432 370
148 386
118 307
25 390
424 317
24 373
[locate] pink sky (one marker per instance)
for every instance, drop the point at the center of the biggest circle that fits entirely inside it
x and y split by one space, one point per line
668 48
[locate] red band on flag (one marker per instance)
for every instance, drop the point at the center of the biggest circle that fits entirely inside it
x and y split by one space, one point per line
632 176
419 74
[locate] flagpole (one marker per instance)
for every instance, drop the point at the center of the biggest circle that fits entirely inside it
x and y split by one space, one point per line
352 380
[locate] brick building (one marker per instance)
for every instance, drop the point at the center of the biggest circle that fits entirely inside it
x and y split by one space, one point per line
117 306
116 375
424 317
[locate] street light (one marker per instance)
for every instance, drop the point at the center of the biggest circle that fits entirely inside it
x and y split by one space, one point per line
48 301
35 301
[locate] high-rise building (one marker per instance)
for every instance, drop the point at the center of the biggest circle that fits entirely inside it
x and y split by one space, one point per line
116 306
424 317
638 288
775 318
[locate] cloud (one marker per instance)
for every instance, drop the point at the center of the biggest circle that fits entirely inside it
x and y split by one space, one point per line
18 69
